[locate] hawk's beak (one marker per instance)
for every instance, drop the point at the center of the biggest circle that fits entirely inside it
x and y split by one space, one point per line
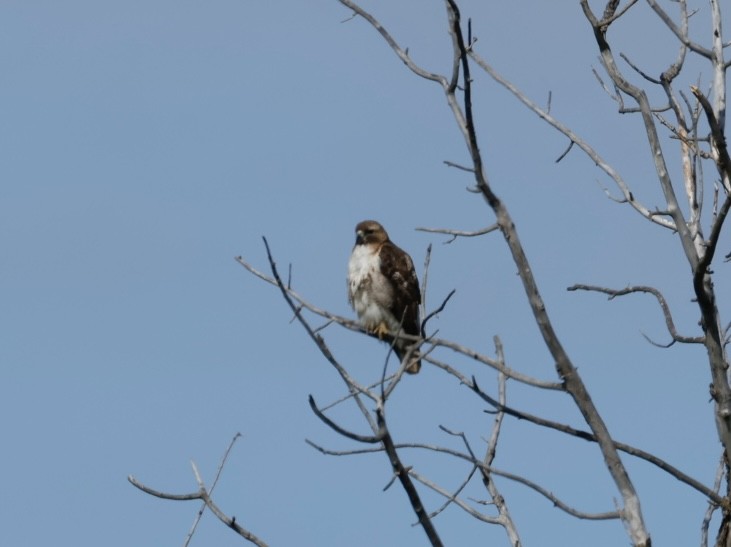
359 237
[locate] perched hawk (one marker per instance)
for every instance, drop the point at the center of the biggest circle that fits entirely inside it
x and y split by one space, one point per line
383 288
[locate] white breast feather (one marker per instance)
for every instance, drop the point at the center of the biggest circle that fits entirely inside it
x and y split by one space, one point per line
370 292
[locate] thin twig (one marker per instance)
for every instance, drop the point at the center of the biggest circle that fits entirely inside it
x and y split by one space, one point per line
587 436
565 152
670 324
459 233
424 281
436 311
575 138
608 515
353 386
458 166
202 509
400 52
201 495
712 506
453 498
370 439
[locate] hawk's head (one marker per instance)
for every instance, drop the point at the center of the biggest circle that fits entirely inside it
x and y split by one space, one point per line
368 232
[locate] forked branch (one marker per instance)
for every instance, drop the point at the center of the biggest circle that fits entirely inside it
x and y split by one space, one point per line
204 494
299 303
712 496
383 437
631 512
649 290
555 500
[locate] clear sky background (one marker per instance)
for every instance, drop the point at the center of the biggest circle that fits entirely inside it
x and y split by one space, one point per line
145 144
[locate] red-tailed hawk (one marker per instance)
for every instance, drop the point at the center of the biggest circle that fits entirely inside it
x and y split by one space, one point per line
383 288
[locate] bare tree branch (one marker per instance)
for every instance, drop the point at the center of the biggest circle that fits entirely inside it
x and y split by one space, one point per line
683 37
424 282
711 506
639 71
459 233
403 475
353 386
610 13
558 503
213 487
453 498
436 311
718 138
457 166
644 289
400 52
631 512
436 342
629 196
491 452
640 97
201 494
628 449
678 121
369 439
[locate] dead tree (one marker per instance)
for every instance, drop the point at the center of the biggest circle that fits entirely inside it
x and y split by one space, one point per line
689 124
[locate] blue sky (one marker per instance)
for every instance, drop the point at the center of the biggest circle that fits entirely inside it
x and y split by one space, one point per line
146 144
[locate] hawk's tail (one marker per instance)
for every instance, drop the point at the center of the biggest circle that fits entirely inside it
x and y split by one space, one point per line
414 364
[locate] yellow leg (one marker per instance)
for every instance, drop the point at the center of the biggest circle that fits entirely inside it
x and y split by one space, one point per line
381 330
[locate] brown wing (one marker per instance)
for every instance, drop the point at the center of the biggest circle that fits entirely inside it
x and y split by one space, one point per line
398 268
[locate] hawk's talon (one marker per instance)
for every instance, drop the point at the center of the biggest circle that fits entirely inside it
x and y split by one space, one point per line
381 330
